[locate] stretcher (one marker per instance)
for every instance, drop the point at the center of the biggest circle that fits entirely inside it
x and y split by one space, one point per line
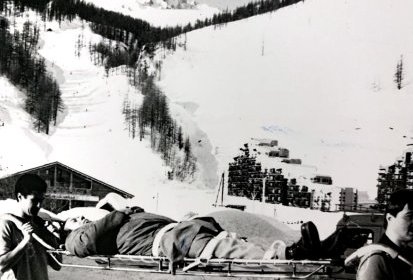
274 269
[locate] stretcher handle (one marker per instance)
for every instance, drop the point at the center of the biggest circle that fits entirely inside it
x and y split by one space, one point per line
19 225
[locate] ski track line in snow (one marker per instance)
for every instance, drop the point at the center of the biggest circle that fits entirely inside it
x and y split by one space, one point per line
81 94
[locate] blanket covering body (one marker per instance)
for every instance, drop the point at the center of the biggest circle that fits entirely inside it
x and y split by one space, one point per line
118 233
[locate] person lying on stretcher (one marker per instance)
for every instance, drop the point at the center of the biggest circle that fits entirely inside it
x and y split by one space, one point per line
132 231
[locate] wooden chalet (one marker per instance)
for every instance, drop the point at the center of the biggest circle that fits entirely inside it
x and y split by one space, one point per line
67 187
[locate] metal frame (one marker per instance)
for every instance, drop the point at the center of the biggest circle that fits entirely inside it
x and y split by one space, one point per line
275 269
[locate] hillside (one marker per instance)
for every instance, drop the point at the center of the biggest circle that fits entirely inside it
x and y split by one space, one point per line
317 76
225 4
91 134
160 13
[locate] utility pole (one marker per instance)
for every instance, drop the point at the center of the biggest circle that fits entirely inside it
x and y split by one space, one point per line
157 201
263 190
220 190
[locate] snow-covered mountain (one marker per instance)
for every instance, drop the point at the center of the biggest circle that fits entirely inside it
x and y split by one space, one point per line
317 76
91 134
160 12
225 4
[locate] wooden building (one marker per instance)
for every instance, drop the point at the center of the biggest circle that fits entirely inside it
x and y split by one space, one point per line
67 187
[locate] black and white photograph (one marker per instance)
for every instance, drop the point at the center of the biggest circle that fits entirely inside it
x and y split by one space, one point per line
206 139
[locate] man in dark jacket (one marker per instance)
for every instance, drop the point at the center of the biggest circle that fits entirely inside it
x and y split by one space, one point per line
382 265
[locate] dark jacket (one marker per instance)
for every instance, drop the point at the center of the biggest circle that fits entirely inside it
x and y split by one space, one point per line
96 238
380 266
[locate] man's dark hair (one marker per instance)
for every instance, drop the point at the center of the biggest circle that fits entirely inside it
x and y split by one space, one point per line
28 183
398 201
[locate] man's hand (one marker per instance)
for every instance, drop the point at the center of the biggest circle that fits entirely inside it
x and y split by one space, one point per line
53 227
27 230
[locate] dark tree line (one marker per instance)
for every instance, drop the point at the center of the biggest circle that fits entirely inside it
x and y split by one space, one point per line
39 6
153 119
137 34
133 37
112 25
22 66
108 56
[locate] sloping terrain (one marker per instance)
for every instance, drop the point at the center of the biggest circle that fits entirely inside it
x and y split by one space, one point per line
159 13
318 76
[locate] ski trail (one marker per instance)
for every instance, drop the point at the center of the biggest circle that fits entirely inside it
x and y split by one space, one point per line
82 97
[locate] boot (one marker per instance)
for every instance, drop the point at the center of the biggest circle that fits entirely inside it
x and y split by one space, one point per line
309 245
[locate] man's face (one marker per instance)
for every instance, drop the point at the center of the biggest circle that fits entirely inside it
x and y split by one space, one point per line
31 203
74 223
402 224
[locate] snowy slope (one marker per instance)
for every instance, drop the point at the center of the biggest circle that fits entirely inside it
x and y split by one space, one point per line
91 134
159 13
317 76
225 4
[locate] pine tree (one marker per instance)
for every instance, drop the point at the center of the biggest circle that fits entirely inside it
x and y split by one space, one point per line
187 149
399 75
180 138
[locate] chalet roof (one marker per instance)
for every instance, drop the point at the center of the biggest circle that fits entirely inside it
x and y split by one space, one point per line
128 195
